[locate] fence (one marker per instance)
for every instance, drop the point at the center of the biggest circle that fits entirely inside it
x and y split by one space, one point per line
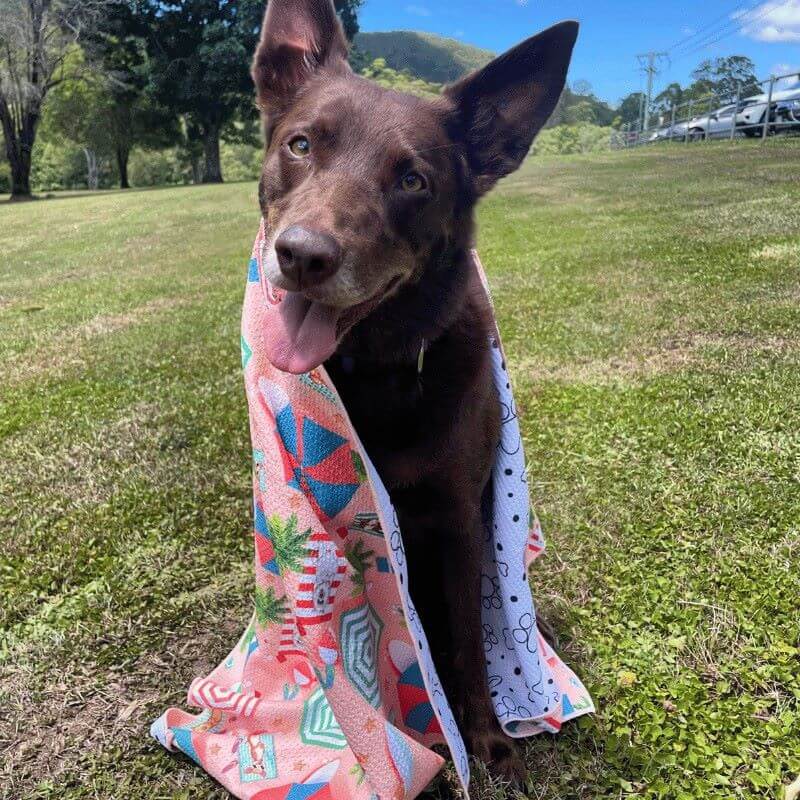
707 118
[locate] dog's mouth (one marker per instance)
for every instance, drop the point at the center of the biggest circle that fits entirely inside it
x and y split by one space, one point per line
303 333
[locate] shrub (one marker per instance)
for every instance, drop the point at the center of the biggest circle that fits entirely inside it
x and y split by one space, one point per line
568 139
56 165
240 162
157 168
403 81
5 177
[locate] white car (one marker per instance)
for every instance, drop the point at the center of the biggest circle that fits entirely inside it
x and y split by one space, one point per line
751 119
715 125
787 116
678 131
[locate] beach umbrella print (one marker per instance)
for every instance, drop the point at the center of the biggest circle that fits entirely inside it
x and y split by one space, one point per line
315 787
316 460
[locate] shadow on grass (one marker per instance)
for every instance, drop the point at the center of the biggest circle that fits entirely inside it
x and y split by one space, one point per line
78 193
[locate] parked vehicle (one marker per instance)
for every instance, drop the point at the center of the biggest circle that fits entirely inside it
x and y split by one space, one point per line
751 119
661 134
677 132
715 125
787 116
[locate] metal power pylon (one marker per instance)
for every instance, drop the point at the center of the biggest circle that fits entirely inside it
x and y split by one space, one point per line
649 62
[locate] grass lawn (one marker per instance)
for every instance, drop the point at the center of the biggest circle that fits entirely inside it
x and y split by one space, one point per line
650 303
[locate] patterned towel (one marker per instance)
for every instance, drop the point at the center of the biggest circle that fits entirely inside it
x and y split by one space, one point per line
331 692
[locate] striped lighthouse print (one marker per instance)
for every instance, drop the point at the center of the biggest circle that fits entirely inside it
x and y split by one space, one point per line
289 643
323 568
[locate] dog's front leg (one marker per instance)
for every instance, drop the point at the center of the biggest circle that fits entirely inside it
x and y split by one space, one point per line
467 681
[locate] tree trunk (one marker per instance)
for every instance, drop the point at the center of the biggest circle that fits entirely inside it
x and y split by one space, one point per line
212 172
91 169
21 176
122 167
20 134
197 170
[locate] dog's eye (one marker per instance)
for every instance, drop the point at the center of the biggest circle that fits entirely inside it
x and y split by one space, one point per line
300 146
413 182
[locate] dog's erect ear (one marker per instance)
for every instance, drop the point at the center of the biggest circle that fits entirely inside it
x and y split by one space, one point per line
502 107
298 37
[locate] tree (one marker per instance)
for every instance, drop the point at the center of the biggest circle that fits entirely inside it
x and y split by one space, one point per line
722 76
404 81
629 110
582 87
580 111
118 51
200 52
348 14
35 38
76 112
671 96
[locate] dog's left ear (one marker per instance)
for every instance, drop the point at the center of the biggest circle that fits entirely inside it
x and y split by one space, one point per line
298 38
501 108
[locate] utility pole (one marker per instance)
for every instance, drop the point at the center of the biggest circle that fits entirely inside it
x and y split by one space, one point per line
649 63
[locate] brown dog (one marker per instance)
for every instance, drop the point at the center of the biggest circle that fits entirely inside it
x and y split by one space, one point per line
368 197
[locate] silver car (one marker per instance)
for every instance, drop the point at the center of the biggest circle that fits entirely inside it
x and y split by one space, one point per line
717 124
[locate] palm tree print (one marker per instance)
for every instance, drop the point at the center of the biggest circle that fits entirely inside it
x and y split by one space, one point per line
269 607
360 560
289 543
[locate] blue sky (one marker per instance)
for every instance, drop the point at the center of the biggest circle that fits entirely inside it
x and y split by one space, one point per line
613 32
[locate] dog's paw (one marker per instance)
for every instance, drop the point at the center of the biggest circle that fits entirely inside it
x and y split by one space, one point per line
501 756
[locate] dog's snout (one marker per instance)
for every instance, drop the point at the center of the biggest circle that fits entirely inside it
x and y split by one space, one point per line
306 257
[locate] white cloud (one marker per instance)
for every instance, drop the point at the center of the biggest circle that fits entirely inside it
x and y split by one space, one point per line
418 11
521 2
687 31
773 21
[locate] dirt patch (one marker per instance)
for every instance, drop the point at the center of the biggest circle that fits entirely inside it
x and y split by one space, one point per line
671 355
69 352
57 718
88 472
784 251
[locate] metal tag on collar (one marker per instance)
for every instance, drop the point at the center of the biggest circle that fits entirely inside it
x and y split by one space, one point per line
421 357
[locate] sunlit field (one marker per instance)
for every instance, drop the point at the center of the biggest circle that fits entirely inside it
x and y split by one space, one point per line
650 304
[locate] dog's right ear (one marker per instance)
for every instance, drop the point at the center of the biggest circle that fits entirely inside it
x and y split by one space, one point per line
500 108
298 37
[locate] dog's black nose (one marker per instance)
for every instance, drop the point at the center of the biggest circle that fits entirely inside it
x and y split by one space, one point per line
306 257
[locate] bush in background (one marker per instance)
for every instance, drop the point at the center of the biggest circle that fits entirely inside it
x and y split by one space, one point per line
58 164
158 168
403 81
241 162
569 139
5 178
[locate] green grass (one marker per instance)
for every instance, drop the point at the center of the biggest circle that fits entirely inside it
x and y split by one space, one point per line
650 304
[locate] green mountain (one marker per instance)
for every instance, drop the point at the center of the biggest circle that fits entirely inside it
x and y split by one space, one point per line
439 60
433 58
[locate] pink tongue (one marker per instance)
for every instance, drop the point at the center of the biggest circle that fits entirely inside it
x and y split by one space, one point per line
300 334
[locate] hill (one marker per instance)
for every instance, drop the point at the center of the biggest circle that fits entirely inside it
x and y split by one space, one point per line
437 59
433 58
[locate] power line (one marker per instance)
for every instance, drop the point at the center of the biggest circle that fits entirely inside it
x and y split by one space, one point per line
681 43
731 28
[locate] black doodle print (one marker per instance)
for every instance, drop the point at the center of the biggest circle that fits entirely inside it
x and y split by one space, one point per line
490 592
396 543
490 639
